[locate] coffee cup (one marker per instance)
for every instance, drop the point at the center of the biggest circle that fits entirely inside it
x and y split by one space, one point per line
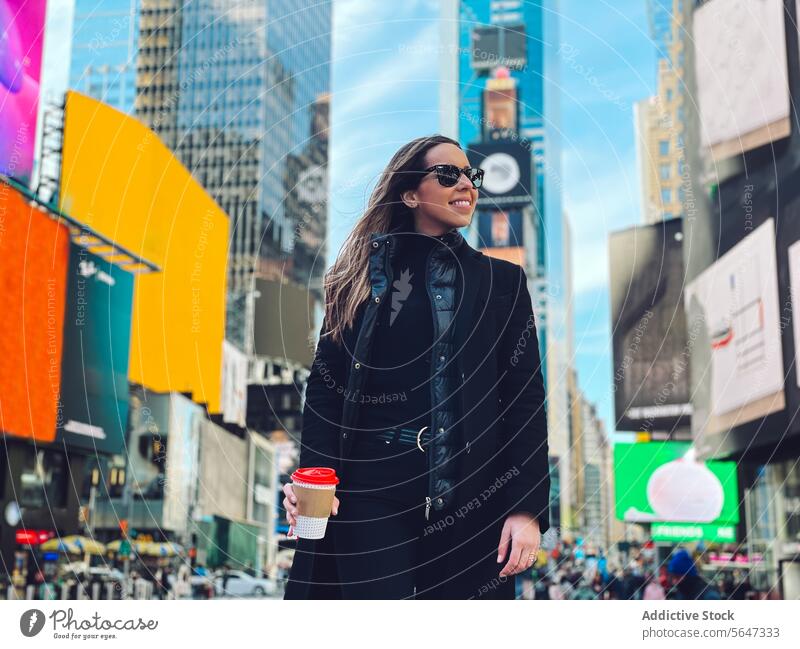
314 488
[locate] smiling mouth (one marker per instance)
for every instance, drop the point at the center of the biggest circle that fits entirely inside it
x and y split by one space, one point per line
461 203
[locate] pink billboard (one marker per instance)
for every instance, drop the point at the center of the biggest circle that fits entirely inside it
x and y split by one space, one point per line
21 38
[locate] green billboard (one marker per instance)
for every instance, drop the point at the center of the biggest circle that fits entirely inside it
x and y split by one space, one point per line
661 483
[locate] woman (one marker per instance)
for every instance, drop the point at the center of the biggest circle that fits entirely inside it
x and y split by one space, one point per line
426 396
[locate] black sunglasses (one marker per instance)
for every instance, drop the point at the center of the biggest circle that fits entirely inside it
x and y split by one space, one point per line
448 175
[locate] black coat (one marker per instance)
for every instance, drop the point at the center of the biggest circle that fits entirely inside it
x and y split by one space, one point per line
502 459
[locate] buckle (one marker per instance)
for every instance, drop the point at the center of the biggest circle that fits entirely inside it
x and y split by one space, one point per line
419 436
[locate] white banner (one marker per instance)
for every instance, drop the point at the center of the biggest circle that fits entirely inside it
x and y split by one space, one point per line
234 385
268 623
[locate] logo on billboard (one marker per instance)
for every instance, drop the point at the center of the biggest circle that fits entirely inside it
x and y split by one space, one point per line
507 172
502 173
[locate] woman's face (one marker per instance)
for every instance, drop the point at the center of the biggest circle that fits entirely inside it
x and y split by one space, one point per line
438 209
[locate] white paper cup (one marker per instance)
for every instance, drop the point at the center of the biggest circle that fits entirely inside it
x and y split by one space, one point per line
311 527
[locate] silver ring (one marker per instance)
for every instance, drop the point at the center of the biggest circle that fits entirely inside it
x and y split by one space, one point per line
419 435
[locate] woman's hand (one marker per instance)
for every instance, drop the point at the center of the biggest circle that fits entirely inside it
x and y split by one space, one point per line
290 504
521 532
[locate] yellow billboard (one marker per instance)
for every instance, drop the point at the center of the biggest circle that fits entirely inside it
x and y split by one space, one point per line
118 178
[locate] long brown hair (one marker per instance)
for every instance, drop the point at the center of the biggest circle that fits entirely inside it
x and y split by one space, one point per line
347 283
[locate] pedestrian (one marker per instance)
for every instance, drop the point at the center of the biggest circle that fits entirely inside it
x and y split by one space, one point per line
583 590
182 585
555 591
226 574
652 588
687 584
426 395
635 582
158 583
597 585
742 586
541 588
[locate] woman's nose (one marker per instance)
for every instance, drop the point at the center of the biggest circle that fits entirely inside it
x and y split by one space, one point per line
464 182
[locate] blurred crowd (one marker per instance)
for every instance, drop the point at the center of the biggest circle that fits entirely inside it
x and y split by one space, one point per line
596 577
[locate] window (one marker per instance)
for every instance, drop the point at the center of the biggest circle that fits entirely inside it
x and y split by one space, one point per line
663 147
664 170
666 196
669 94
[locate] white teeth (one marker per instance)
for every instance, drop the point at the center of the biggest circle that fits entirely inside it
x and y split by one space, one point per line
460 203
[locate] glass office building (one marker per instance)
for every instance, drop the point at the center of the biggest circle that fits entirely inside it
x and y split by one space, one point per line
105 37
157 85
239 90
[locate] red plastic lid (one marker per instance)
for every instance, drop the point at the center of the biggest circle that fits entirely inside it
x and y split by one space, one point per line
316 475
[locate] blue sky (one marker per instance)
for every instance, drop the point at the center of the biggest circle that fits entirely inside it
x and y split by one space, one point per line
384 93
385 76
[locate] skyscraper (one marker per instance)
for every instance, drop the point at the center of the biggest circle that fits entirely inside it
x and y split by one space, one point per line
508 113
240 91
157 85
105 36
660 120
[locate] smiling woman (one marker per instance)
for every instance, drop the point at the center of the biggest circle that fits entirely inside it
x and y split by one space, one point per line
444 493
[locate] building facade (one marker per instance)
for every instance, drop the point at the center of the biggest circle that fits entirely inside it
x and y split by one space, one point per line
105 39
240 92
660 120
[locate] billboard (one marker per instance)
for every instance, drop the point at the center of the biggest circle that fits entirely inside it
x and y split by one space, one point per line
34 251
734 303
652 356
281 308
135 192
493 45
742 74
94 368
500 109
21 38
182 467
234 385
507 173
662 483
498 228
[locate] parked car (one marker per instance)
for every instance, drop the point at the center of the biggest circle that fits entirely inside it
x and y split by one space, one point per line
202 586
240 584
